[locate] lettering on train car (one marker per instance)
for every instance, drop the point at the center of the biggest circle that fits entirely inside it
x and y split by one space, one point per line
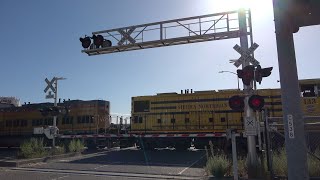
309 101
203 106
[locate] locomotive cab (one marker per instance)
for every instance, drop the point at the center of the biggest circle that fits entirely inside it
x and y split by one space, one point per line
310 87
310 93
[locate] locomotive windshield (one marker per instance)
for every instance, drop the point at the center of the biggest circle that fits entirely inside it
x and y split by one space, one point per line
141 106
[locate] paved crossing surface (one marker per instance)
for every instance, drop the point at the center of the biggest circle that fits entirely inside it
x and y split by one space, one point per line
130 163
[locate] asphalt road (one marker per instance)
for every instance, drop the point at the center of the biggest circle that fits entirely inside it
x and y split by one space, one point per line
8 154
129 163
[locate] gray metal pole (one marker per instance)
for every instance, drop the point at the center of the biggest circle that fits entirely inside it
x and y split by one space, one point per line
55 117
290 95
251 140
268 142
238 83
234 156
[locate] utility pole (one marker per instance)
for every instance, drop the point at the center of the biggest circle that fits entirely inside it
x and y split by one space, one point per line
290 94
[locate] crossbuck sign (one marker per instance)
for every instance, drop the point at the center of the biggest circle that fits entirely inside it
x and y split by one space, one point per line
50 85
246 55
126 36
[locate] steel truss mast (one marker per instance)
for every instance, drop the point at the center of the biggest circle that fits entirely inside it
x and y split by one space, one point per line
172 32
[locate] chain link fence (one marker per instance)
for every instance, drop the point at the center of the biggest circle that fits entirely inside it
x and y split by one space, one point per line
274 145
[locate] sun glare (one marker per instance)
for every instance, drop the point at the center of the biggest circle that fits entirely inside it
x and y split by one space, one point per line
258 7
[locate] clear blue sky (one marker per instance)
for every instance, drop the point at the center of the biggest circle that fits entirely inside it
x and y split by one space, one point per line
40 39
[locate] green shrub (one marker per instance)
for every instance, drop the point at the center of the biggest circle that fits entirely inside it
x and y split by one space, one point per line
72 146
314 164
279 162
242 167
218 166
79 146
32 148
75 146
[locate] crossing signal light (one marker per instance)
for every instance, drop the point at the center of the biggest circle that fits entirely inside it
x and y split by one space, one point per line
44 111
55 111
246 74
305 12
65 110
236 103
98 40
256 102
86 41
262 72
106 43
299 13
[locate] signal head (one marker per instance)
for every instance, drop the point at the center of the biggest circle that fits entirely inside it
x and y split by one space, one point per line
98 40
107 43
55 111
246 74
256 102
44 111
86 41
65 110
262 72
266 71
236 103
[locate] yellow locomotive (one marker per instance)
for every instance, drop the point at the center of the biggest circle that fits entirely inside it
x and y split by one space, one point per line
85 117
208 111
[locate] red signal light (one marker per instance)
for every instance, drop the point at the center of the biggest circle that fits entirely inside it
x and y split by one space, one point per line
236 103
246 74
98 40
85 42
256 102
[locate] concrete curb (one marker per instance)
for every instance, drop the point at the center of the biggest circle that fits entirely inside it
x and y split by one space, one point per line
18 163
21 162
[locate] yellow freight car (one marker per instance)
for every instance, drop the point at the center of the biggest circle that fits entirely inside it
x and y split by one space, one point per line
85 117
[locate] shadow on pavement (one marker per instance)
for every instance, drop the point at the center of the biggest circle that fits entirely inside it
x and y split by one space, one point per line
158 157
